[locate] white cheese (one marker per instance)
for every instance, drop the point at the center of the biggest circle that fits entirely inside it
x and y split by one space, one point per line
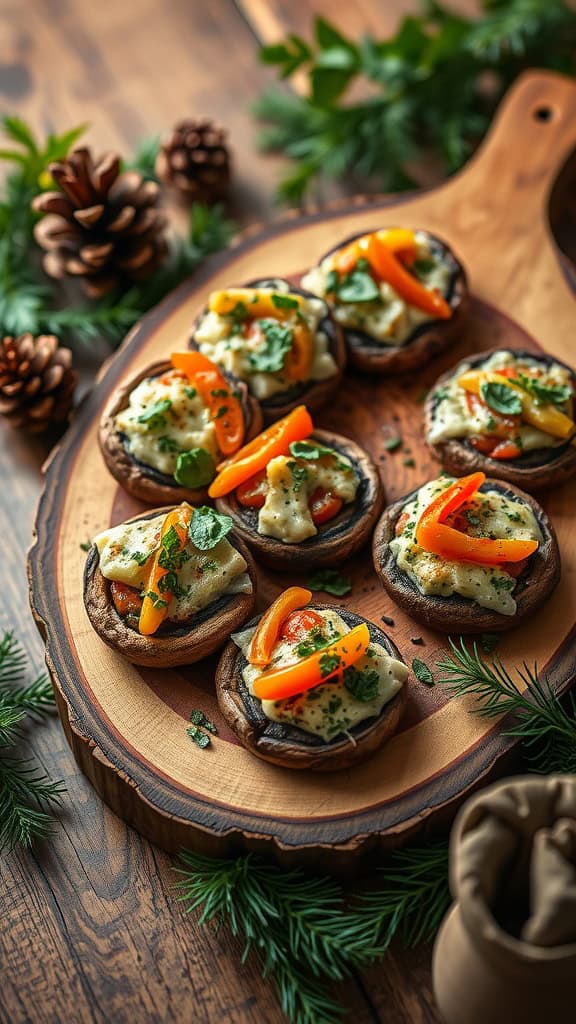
390 320
489 514
329 709
183 425
285 514
452 417
216 340
203 578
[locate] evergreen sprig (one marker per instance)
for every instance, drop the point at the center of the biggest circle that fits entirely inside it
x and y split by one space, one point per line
545 725
423 87
27 795
307 932
29 301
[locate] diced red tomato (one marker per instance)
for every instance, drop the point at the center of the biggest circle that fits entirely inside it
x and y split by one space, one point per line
506 450
127 600
486 445
252 493
401 522
323 506
508 371
299 624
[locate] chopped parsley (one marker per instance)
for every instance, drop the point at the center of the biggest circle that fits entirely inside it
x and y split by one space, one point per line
167 445
201 739
314 641
194 468
221 412
545 394
363 685
153 416
332 280
422 672
330 581
86 545
299 475
190 392
409 462
422 267
358 287
157 601
392 444
501 398
208 527
278 339
503 582
140 557
198 717
284 301
219 392
329 664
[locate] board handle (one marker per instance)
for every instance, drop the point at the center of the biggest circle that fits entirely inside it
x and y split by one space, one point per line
532 136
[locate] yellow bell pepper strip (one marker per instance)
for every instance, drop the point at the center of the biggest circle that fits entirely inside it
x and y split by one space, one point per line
217 396
545 417
155 603
268 631
257 303
299 357
320 667
433 535
401 241
256 455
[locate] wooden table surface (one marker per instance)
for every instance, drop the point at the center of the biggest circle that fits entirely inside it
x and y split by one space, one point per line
90 928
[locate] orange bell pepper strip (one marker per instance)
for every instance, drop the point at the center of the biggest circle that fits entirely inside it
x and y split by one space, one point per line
299 358
258 303
268 631
216 395
433 535
155 608
399 240
281 683
388 268
256 455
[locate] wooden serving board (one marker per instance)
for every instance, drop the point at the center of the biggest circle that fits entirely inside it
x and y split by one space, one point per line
127 726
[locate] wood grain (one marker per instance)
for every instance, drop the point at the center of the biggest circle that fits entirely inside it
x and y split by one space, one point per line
90 929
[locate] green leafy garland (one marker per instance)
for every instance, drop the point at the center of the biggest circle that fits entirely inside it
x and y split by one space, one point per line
307 931
27 796
29 301
433 85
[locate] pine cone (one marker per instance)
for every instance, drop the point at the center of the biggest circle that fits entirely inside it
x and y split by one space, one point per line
37 381
195 160
103 227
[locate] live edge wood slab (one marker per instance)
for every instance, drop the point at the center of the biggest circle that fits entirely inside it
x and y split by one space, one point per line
127 726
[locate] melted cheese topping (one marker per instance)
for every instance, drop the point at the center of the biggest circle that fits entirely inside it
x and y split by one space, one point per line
488 514
203 578
390 319
452 417
285 514
216 339
329 709
157 440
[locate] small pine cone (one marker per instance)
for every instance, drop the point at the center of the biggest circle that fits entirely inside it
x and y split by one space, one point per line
37 382
195 161
103 227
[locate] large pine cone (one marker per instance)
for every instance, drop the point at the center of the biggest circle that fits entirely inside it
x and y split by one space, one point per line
37 381
103 227
195 160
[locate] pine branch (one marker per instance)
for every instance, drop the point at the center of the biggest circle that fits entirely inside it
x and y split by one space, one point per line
545 725
306 931
26 795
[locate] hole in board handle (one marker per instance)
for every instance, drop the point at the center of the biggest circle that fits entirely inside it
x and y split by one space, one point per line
543 113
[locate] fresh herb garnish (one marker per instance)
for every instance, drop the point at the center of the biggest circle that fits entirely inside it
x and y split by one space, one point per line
86 545
201 739
441 394
167 445
553 394
190 392
154 416
504 582
332 279
330 581
194 468
489 642
363 685
221 412
422 672
422 267
284 301
358 287
299 475
157 601
270 358
220 392
329 664
309 450
140 557
392 444
208 527
315 641
410 463
501 398
198 717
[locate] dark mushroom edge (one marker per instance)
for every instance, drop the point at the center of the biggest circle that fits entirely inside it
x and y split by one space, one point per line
337 539
145 482
173 644
457 614
287 745
427 340
314 393
535 470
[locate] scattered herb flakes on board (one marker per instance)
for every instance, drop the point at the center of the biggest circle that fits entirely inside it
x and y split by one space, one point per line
198 717
201 739
392 444
422 672
330 581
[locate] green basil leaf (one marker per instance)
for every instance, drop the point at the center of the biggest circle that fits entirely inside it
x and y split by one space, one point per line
270 358
194 468
501 398
208 527
309 450
358 287
153 416
422 672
